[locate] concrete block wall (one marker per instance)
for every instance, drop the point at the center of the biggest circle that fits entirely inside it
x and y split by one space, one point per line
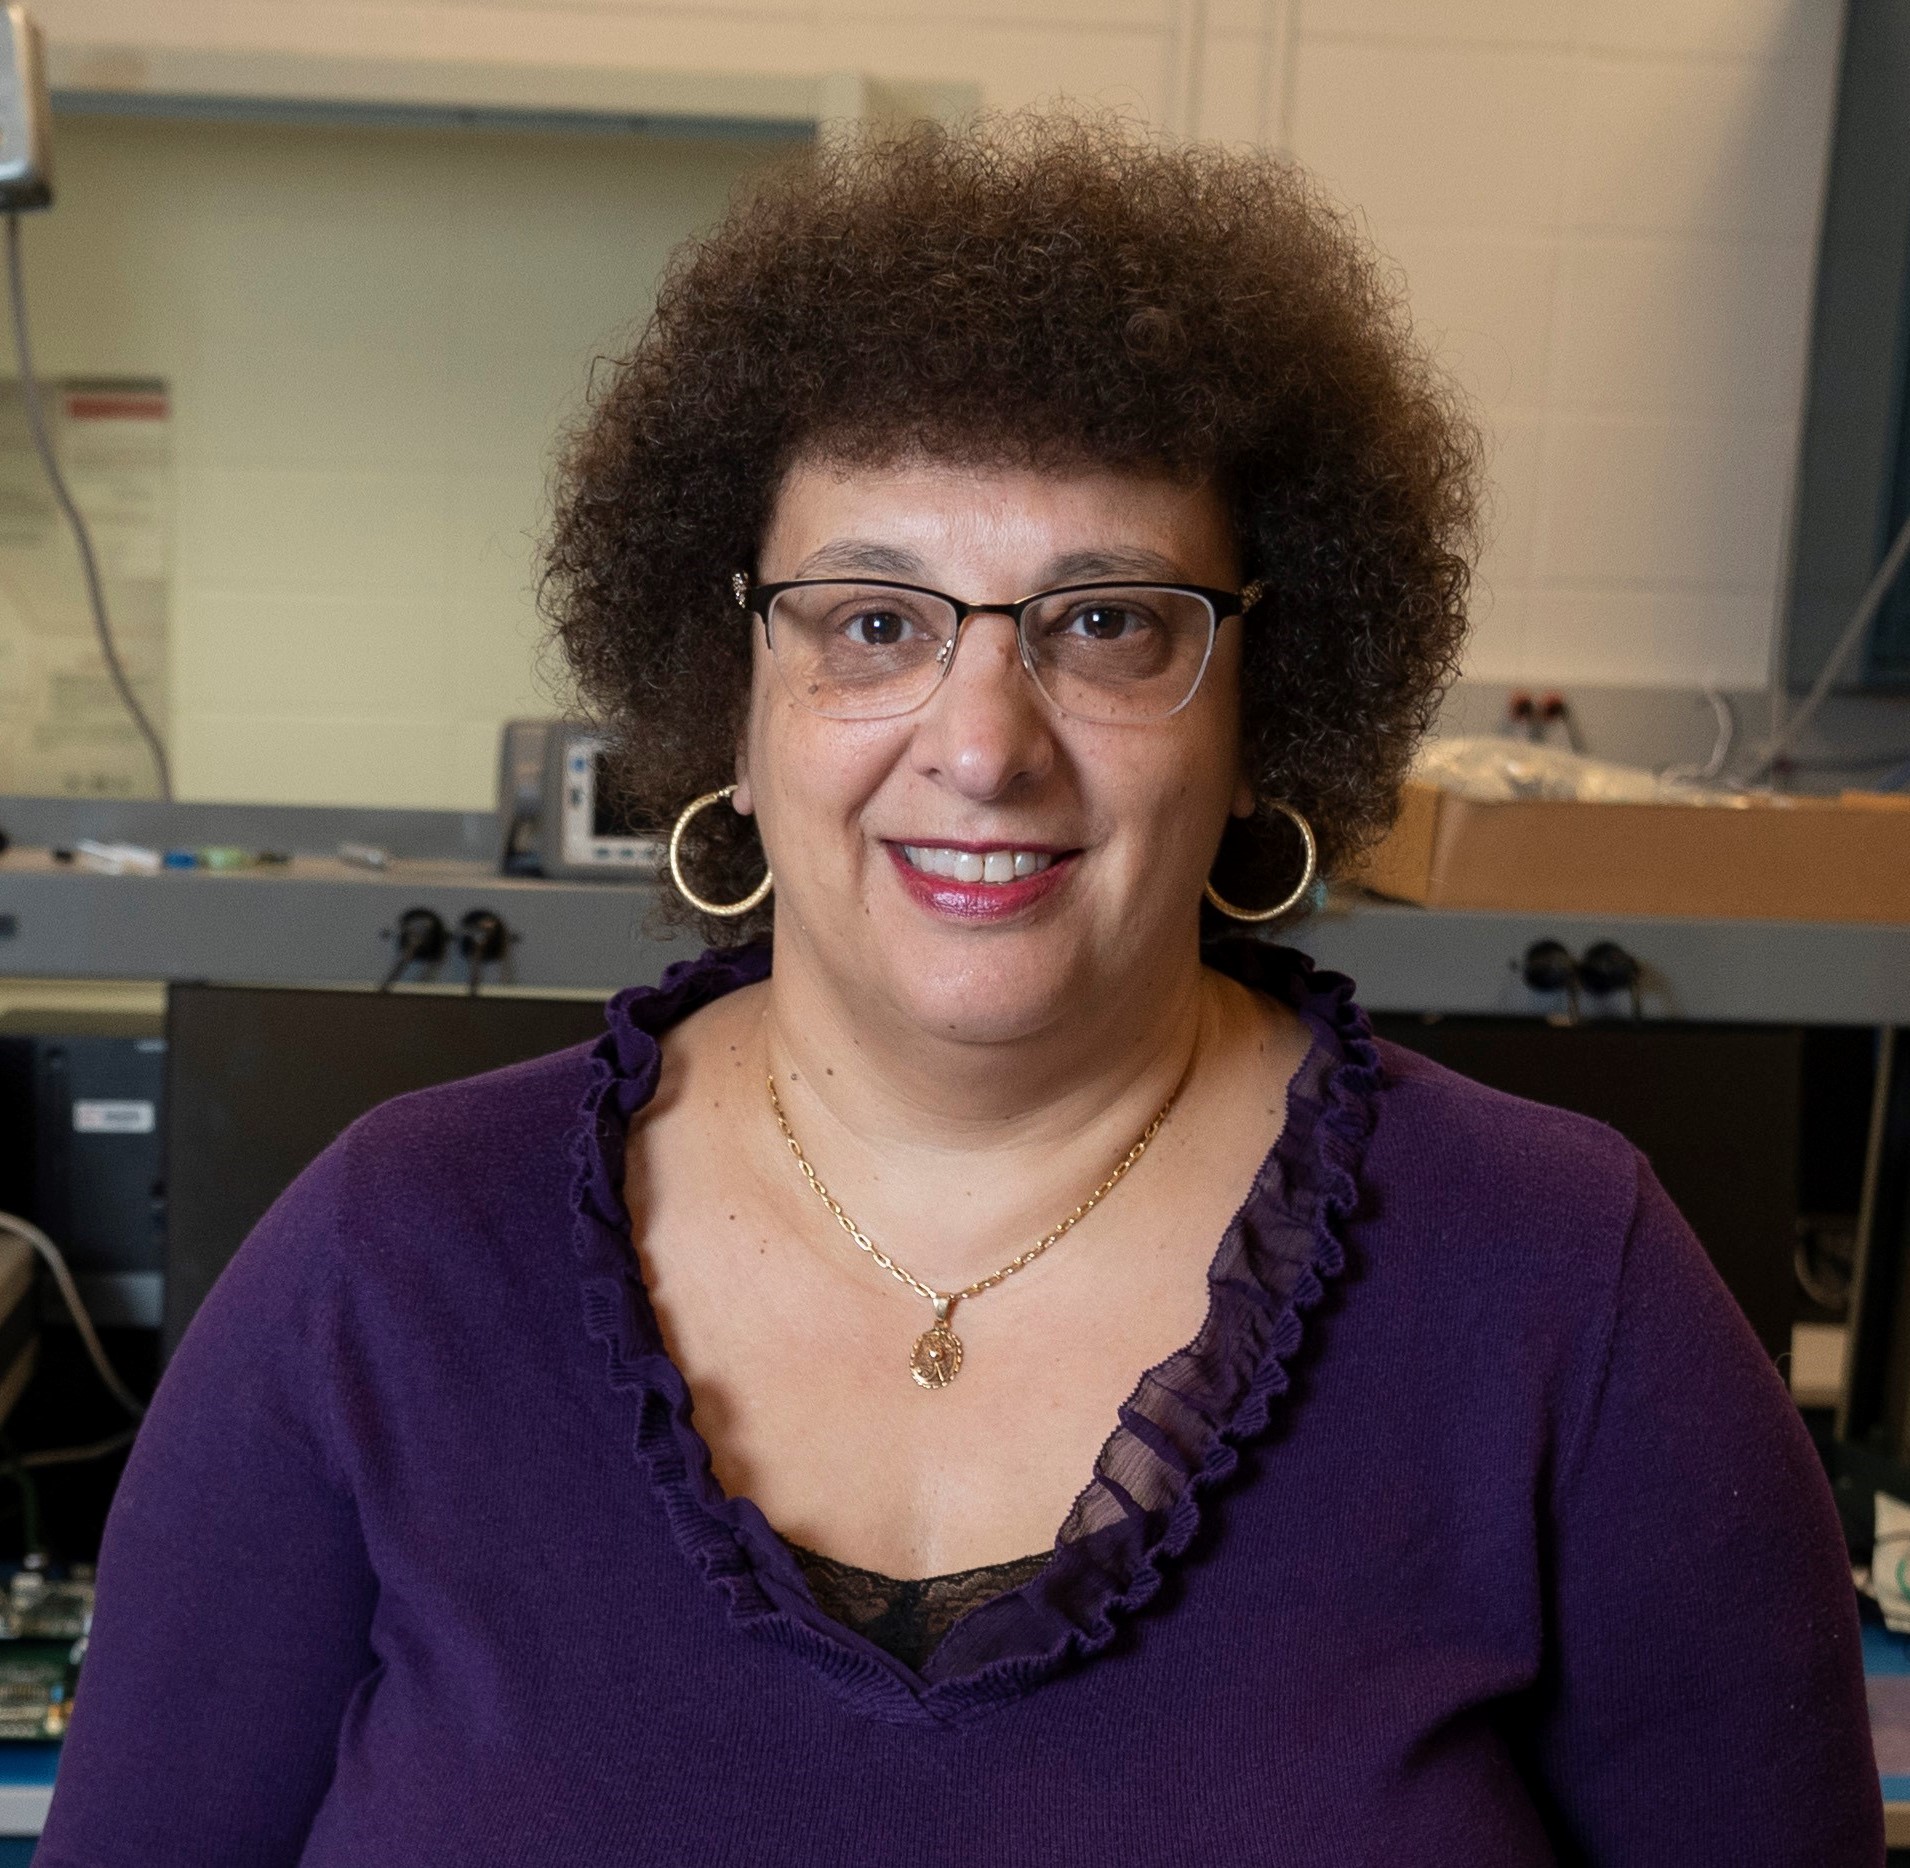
1607 216
1604 213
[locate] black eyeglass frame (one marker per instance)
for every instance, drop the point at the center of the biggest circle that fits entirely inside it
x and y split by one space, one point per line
756 600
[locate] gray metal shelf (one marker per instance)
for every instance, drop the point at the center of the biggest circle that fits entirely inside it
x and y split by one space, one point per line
317 921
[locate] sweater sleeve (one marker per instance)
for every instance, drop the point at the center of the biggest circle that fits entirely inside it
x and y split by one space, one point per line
235 1595
1705 1697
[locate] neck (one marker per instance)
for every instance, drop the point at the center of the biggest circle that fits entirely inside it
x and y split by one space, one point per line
961 1145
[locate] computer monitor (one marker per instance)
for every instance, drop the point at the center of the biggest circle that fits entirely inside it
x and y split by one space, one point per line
260 1079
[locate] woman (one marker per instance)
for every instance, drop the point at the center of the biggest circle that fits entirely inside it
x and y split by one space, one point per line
989 531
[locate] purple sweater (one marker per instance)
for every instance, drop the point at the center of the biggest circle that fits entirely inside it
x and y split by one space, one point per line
1474 1528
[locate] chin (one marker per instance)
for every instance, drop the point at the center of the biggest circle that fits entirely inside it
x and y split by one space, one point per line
983 985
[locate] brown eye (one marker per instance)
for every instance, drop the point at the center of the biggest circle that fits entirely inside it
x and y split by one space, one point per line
1105 622
878 629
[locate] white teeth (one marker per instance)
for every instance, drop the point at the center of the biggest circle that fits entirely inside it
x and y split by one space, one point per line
975 865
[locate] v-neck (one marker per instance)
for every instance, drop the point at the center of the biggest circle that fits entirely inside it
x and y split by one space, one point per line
1175 1442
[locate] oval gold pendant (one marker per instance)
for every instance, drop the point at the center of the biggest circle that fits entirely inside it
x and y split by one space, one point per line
937 1357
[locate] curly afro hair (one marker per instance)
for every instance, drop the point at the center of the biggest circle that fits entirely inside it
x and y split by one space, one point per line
1057 291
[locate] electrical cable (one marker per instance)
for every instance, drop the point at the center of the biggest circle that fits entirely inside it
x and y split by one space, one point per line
1864 615
407 953
1727 733
75 1455
89 561
69 1291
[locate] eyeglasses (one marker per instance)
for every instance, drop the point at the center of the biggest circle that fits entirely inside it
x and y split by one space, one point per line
1110 653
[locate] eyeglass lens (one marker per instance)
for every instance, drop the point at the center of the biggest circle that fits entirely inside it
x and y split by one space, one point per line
1120 653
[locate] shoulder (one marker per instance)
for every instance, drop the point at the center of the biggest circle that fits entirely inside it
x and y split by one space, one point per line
1490 1217
470 1132
470 1171
480 1169
1462 1148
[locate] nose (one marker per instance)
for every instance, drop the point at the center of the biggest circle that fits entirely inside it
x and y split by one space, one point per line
986 731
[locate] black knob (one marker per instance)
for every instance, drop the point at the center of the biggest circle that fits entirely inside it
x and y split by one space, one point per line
1607 967
482 936
421 934
1549 967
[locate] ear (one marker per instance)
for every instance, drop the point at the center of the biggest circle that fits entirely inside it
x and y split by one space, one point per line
741 802
1245 803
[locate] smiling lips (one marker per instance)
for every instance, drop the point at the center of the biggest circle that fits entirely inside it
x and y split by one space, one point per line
970 884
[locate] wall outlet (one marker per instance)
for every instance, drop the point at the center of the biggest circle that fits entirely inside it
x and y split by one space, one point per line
26 129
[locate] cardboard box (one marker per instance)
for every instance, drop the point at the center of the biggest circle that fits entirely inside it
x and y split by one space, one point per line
1756 858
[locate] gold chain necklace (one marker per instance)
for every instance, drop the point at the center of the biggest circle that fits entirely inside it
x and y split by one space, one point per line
936 1358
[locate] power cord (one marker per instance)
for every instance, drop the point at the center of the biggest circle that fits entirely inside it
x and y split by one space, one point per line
89 561
1777 753
69 1291
1726 737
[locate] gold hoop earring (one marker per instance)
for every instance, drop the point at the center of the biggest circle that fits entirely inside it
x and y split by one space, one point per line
724 910
1297 894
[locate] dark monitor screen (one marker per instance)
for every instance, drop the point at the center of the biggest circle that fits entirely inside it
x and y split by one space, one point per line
611 812
260 1079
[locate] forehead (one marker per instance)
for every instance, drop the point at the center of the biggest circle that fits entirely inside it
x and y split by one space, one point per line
920 518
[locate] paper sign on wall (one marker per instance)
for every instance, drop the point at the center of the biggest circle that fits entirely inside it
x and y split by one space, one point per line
63 731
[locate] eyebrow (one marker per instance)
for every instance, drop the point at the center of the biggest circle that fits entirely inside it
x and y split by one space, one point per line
861 554
871 558
1076 567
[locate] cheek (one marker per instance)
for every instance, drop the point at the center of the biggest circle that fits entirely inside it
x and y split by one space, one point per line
810 778
1180 797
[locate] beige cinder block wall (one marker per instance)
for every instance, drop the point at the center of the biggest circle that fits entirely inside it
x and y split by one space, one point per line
1605 211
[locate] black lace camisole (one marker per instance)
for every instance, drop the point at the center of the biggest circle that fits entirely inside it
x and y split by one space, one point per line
908 1616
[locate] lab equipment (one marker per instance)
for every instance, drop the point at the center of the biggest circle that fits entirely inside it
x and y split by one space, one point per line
26 138
558 808
80 1156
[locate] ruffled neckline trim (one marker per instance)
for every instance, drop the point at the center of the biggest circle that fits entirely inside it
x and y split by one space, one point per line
1178 1437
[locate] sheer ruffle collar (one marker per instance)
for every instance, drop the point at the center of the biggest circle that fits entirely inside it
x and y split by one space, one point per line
1177 1438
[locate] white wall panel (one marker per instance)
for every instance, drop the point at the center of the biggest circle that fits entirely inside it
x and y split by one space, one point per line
1701 146
1489 23
1483 302
1481 126
1656 325
1603 636
1658 503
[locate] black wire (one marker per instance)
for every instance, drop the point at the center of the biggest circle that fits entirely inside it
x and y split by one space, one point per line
76 1455
408 948
89 564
